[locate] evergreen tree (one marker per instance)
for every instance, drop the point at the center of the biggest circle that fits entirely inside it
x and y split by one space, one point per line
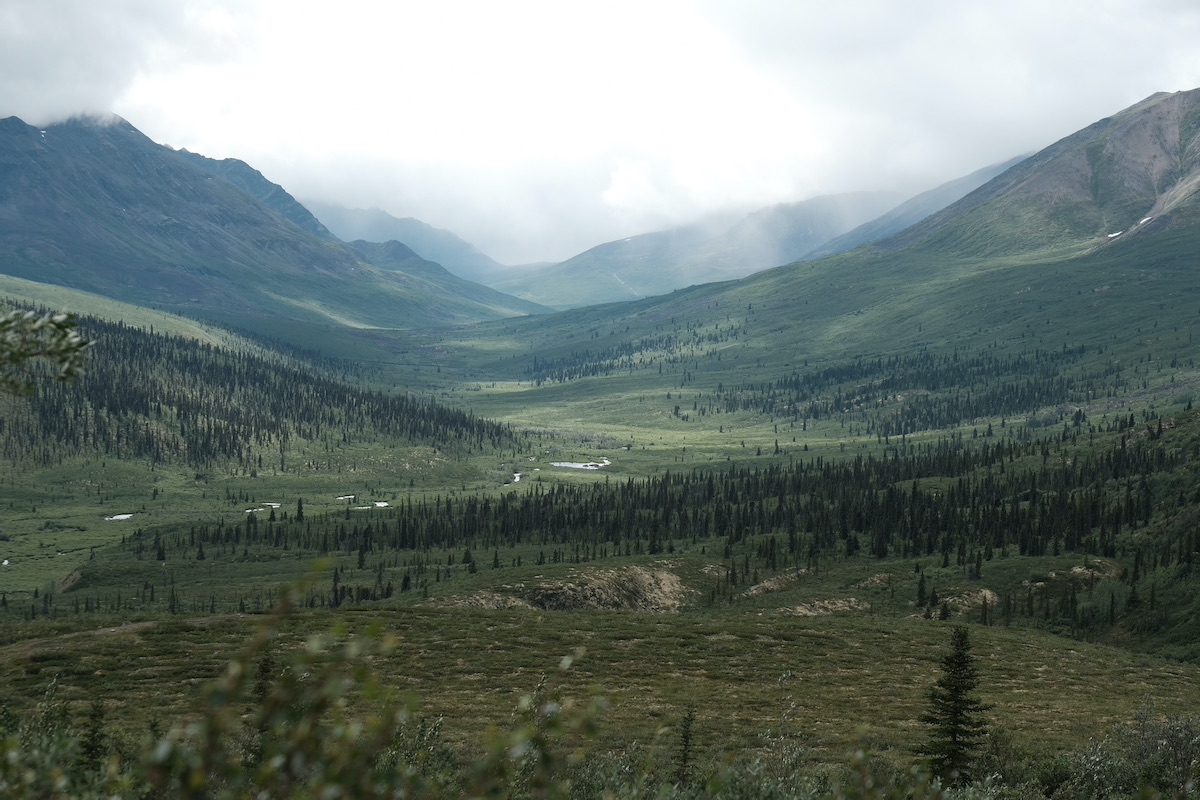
955 713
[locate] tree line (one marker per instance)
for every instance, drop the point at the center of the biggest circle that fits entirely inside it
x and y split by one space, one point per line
956 503
172 400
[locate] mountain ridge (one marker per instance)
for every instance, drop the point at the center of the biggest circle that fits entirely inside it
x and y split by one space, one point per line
96 205
1105 179
255 184
441 246
913 210
719 249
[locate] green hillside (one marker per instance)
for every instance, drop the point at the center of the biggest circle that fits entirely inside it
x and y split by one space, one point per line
1113 314
97 206
716 249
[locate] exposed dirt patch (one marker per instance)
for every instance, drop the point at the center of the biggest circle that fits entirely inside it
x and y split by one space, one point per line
773 584
1096 569
963 603
628 589
70 581
491 600
823 608
875 581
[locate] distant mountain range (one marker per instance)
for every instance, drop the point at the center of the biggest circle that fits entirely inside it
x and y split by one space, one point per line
657 263
98 206
722 247
660 262
459 256
1087 245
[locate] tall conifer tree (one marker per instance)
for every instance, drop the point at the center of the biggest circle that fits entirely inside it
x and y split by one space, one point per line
955 714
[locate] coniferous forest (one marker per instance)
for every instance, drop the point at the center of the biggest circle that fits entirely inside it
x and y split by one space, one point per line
170 400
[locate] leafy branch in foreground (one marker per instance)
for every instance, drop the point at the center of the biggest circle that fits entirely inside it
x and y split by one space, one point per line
299 730
26 335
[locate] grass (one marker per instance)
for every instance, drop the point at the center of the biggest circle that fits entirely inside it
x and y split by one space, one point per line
59 298
833 684
52 518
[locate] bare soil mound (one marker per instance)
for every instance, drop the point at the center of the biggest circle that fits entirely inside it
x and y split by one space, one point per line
822 608
628 589
492 600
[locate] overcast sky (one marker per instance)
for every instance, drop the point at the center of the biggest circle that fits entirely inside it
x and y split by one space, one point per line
536 129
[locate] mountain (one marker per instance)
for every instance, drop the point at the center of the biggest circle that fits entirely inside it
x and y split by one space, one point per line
460 257
790 232
1079 250
98 206
253 183
397 256
721 248
912 211
400 257
629 269
1127 175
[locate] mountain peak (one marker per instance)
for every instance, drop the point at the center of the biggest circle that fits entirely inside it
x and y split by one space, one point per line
254 183
98 206
443 247
1088 189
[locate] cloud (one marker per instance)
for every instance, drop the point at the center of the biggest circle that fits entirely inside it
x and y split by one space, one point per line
72 57
911 86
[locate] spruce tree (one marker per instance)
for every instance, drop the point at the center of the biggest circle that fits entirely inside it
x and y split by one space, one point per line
955 713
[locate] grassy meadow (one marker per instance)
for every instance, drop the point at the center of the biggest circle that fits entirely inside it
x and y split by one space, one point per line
831 684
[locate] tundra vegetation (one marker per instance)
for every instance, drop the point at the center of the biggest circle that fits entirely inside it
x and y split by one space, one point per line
237 571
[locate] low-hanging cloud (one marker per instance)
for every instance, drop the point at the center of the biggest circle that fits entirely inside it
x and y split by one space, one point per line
73 57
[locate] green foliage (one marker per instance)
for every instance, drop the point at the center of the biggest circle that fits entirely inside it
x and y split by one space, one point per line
955 713
29 335
44 756
292 726
1150 753
296 737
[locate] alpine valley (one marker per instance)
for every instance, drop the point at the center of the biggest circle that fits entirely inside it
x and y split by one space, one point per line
742 510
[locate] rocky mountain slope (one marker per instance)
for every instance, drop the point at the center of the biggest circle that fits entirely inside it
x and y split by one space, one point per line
1135 172
255 184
